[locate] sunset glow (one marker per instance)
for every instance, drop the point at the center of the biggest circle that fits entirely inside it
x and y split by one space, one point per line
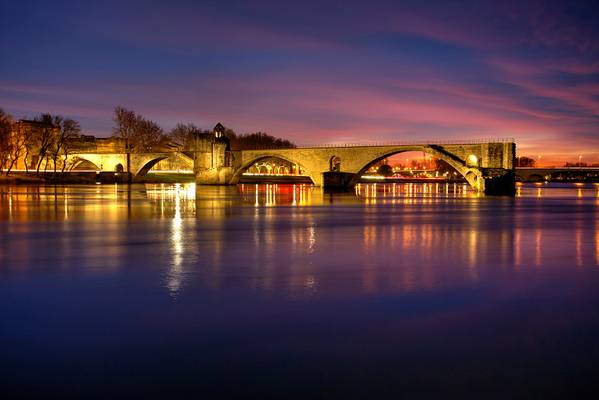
316 73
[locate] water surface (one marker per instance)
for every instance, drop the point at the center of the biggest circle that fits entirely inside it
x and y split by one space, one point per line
286 291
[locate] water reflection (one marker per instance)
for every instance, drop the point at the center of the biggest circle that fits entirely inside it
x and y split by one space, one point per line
597 241
175 274
545 189
374 191
384 237
275 194
207 278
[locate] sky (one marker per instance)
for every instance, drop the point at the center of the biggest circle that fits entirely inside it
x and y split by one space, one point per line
315 72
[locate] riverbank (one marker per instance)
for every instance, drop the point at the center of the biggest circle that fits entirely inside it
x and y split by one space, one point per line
20 178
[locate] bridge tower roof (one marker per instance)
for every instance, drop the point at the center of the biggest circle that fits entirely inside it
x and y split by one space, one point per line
218 130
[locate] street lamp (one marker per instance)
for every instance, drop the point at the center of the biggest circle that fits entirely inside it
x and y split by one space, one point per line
579 160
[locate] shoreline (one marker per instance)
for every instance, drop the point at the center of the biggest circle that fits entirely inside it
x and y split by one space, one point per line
90 178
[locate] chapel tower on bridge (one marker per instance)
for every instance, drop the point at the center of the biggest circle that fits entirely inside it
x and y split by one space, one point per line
212 156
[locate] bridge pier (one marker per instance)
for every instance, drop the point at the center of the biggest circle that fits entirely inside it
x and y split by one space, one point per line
338 180
214 176
499 182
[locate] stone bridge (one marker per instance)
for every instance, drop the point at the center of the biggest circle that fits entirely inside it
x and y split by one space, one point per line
487 166
530 174
140 163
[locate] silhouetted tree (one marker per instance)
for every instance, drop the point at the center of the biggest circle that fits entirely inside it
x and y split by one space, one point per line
68 130
43 139
443 167
385 170
576 164
6 128
124 128
525 162
139 133
18 146
148 134
256 140
183 134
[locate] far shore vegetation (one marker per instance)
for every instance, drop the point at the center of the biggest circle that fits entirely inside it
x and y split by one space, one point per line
37 149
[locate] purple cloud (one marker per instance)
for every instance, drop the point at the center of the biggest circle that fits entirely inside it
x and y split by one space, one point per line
318 72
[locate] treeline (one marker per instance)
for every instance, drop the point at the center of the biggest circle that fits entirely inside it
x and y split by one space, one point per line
528 162
45 139
139 133
183 135
525 162
142 134
257 140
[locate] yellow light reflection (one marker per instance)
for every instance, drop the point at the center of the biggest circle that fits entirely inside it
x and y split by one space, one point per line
538 240
175 273
578 245
517 248
597 245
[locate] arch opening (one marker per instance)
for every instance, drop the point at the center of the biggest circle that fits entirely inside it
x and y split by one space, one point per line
149 165
535 178
271 166
82 164
420 163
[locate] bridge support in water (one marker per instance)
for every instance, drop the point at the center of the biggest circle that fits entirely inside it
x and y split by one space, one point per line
487 166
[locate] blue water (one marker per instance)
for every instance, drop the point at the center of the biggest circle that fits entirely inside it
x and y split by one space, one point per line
405 290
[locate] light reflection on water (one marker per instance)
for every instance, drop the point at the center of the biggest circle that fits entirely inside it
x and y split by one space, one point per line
241 259
417 222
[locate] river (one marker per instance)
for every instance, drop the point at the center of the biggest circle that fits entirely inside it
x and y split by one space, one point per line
421 290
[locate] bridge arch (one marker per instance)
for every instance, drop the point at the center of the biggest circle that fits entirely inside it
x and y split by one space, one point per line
246 165
535 178
84 164
473 175
148 165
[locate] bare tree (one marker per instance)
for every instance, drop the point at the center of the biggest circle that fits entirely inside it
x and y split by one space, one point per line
19 144
44 139
182 134
6 127
256 140
125 129
53 149
28 148
139 134
148 134
68 130
525 162
125 122
73 131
